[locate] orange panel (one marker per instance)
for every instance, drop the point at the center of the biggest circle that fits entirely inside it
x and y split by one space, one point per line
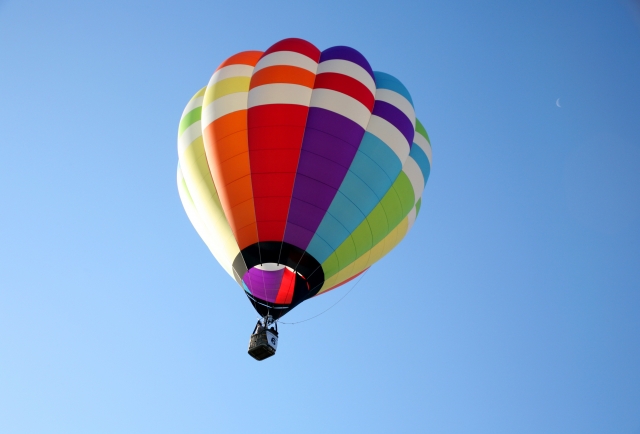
243 58
283 74
247 235
227 149
244 213
238 191
235 167
226 125
231 146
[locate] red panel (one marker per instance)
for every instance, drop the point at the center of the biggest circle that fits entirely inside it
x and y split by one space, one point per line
347 85
298 45
275 139
271 231
277 114
345 281
285 293
272 184
273 209
273 160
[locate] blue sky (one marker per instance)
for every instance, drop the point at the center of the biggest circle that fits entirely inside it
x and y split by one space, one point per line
512 306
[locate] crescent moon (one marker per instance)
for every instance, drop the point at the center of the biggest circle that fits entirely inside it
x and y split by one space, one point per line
558 102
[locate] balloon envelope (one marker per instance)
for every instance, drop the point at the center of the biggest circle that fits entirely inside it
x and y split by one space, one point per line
300 168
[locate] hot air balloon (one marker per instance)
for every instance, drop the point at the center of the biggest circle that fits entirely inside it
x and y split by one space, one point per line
299 169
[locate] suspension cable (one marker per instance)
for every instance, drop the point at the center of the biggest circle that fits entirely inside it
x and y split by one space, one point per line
330 307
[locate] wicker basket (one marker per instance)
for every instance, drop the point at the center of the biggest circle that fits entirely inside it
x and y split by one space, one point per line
259 347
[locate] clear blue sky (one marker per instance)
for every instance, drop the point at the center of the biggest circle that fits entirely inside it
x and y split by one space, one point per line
115 318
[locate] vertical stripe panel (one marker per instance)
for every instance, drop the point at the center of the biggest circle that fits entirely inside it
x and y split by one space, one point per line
379 159
198 191
225 135
341 105
279 97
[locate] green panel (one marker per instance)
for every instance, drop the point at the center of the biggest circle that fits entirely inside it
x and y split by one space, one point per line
346 253
378 220
389 213
392 207
418 205
405 191
421 130
331 266
189 119
362 238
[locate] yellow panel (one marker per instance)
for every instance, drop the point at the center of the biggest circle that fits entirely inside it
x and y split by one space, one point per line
365 261
205 198
201 228
225 87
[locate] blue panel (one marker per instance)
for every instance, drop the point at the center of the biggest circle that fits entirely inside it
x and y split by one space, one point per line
423 161
386 81
372 175
346 212
332 231
381 154
361 195
319 249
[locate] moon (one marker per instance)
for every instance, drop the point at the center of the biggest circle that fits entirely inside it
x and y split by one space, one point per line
558 102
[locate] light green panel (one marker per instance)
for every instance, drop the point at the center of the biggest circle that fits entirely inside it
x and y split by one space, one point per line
189 119
347 253
405 192
362 238
422 131
331 265
394 206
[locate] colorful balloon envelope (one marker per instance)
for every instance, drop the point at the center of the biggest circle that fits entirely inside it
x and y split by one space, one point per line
300 168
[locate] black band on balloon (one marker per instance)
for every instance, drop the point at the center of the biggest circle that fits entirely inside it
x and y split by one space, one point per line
309 273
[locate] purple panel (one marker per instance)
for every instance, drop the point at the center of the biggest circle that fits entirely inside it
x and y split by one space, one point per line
264 284
321 169
299 237
305 215
346 53
328 146
313 191
395 117
330 143
332 123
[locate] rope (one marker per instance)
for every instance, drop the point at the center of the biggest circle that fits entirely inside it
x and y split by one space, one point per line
332 306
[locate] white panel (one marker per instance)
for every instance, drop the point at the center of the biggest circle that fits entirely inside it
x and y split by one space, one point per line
424 144
269 266
279 93
190 209
411 218
223 106
390 135
189 136
397 100
348 68
342 104
198 223
411 168
231 71
194 103
290 58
